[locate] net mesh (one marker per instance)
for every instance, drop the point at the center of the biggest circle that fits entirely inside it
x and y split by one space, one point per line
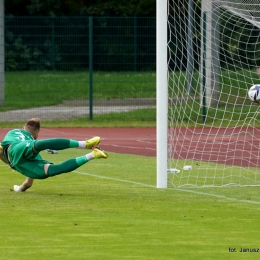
214 58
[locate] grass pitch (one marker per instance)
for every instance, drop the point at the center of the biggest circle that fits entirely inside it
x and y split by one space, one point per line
111 209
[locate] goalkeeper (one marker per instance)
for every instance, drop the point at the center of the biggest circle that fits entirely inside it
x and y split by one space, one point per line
20 149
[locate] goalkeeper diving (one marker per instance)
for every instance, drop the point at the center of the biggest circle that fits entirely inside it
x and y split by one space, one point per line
20 150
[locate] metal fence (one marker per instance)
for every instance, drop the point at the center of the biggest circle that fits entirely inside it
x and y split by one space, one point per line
66 67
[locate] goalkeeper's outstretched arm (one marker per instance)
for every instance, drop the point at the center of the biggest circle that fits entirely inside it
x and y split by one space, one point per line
27 183
2 154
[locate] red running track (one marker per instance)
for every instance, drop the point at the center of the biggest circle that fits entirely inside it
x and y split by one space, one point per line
233 146
139 141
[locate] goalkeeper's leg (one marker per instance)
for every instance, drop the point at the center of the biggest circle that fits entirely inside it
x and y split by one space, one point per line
73 164
62 143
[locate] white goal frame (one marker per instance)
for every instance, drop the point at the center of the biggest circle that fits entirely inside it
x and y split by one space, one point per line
161 92
210 73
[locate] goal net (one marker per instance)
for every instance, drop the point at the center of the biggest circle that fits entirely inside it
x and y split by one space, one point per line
213 60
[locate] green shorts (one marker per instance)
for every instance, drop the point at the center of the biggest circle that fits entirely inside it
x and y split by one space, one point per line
25 161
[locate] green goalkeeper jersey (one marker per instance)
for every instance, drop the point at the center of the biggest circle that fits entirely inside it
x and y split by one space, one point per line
21 155
16 135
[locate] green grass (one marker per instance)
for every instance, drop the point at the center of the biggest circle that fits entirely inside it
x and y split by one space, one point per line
208 174
233 108
111 209
42 88
135 118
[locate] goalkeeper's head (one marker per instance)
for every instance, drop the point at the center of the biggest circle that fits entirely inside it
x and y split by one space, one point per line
33 126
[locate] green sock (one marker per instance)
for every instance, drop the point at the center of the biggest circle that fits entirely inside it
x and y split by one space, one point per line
67 166
55 144
81 160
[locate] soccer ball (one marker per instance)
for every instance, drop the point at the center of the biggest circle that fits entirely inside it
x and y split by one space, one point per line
254 93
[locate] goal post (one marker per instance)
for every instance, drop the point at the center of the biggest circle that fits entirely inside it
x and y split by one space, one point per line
161 92
213 131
